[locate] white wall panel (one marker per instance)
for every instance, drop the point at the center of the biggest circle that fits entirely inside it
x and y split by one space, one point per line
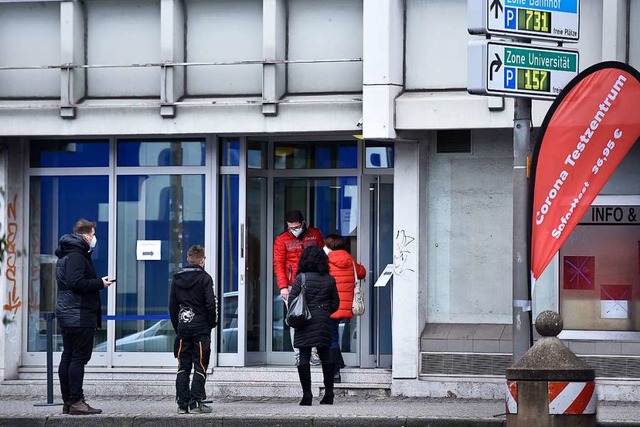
224 31
470 232
29 36
328 29
436 44
123 32
590 43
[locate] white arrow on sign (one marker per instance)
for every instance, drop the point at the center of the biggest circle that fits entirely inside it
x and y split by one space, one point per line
517 69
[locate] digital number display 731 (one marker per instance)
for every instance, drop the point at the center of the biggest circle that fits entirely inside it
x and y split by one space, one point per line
534 20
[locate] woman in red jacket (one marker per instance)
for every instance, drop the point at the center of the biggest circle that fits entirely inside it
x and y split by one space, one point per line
343 268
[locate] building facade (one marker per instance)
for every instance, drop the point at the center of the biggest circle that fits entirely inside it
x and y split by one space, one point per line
181 122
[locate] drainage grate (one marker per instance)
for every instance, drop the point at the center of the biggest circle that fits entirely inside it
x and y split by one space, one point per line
496 364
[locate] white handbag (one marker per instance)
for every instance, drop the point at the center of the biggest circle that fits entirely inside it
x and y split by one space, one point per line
357 308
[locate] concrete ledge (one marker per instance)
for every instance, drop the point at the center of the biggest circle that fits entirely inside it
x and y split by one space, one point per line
244 421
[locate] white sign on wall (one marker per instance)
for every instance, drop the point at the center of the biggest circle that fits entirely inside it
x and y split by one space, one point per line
148 250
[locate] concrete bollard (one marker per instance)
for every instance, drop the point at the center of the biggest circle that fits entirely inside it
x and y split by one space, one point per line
549 386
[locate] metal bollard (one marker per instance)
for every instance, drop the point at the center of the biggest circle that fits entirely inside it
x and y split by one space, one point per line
49 318
549 385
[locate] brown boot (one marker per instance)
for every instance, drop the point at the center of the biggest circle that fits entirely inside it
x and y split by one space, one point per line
82 408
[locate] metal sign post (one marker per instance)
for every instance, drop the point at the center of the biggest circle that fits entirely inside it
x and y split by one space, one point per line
523 71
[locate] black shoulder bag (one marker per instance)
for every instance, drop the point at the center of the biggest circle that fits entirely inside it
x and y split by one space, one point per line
298 312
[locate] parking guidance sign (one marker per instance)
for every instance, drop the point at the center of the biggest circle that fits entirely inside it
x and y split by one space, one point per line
519 69
539 19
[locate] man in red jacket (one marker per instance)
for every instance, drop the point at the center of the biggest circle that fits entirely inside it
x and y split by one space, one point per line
287 249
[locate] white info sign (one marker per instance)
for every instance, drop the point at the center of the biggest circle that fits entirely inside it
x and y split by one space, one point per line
148 250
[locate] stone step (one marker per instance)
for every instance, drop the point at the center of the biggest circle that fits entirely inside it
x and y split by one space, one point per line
239 382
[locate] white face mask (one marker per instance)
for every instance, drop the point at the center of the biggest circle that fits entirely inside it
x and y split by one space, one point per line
93 242
297 232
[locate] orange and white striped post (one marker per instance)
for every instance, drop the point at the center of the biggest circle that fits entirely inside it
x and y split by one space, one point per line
549 385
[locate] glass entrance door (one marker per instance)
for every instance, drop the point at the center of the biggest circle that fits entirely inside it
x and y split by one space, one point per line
329 204
377 237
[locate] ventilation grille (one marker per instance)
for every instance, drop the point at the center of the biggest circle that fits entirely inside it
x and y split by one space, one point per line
464 364
453 141
496 364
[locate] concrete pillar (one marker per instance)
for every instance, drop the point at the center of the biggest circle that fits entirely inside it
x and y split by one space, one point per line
13 282
171 50
549 386
614 30
72 46
409 256
274 39
383 61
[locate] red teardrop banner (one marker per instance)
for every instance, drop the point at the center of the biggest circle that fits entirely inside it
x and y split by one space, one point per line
586 133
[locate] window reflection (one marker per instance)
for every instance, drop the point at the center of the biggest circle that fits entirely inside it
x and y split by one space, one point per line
316 155
68 153
229 262
56 203
185 152
169 210
229 152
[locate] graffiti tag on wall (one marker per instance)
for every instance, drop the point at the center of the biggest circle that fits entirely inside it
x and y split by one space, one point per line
402 253
14 302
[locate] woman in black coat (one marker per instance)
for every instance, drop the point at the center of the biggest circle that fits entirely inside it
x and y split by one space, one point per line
323 300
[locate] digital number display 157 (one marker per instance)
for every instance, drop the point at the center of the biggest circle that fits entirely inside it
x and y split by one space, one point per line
536 80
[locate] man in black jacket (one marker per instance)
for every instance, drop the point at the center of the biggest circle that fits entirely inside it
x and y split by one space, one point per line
194 313
78 311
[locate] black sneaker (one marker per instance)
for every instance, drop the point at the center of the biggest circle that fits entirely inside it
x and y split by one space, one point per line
182 410
200 408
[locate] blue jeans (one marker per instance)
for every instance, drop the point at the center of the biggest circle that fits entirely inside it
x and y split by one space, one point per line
335 333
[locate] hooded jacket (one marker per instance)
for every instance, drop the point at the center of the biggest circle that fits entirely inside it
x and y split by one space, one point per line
193 305
79 288
287 250
341 267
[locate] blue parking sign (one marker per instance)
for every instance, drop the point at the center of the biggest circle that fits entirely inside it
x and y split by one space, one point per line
509 77
510 18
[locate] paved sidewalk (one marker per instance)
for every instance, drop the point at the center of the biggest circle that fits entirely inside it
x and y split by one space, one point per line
347 411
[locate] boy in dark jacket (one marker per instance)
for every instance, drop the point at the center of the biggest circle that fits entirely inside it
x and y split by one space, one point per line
194 313
78 312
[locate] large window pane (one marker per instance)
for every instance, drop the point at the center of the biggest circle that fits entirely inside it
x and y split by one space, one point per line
65 154
256 263
161 153
229 152
56 203
229 262
164 212
600 271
